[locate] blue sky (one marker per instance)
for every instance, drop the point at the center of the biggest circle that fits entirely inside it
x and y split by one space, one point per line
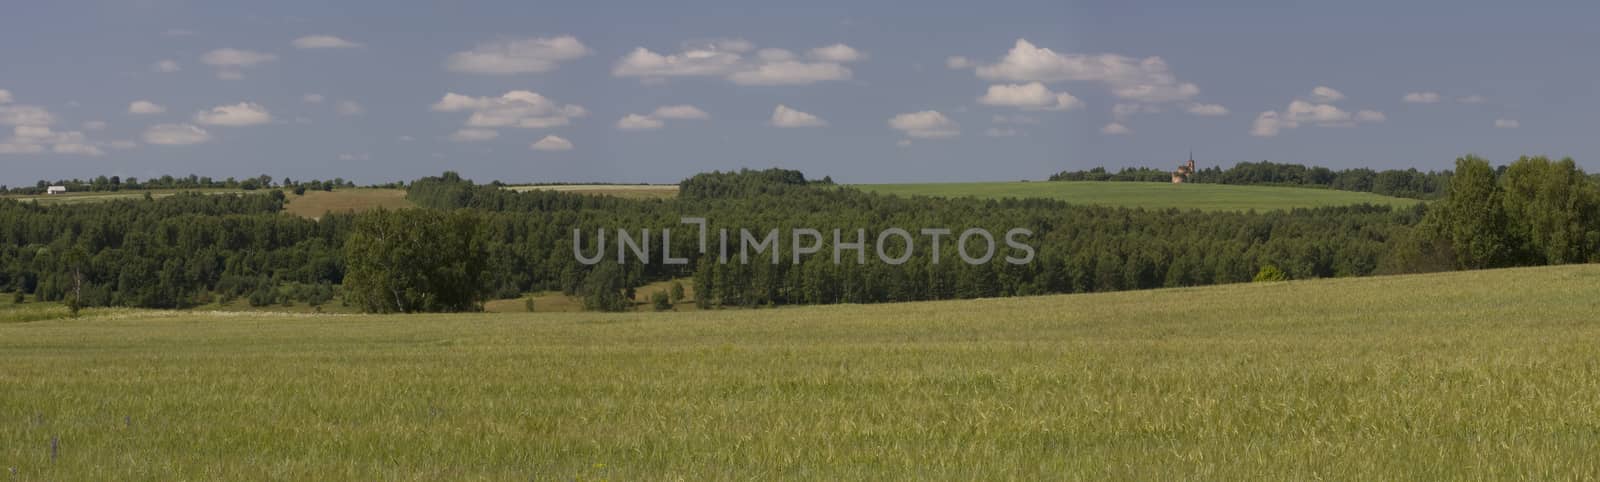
873 92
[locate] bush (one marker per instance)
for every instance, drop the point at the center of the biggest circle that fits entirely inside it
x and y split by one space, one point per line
661 301
528 303
1270 273
677 292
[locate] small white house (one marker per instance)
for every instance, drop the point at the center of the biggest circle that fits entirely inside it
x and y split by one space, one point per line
55 190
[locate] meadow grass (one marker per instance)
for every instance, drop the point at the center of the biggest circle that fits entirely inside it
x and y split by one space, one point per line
314 204
1149 195
1472 375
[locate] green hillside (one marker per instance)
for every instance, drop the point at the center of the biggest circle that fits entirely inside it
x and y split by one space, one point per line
1486 374
1154 195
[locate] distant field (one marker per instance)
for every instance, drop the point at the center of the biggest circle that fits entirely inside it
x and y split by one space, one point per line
631 191
1150 195
316 203
83 197
1473 375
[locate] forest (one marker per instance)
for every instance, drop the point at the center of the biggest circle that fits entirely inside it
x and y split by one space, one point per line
470 242
1407 183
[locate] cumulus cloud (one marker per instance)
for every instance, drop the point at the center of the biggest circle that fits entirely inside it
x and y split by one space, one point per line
323 42
1115 129
1324 94
1032 95
175 134
727 59
355 157
165 66
928 124
348 108
5 96
783 116
517 56
836 53
25 115
313 98
1014 119
1421 97
1142 80
230 61
94 125
517 108
636 122
552 143
1507 124
680 112
234 115
474 135
958 62
1208 110
1310 112
145 107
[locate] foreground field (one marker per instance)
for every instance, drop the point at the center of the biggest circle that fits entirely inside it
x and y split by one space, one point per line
1477 375
314 204
1150 195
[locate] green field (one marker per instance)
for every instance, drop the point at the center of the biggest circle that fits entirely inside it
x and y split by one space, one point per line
1150 195
1488 374
89 197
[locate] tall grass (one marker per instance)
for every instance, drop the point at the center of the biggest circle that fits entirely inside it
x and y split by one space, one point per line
1490 374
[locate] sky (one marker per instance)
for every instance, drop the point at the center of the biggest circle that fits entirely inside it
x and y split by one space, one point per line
645 91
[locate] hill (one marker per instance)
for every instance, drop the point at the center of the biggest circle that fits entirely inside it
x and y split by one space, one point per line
1150 195
1483 374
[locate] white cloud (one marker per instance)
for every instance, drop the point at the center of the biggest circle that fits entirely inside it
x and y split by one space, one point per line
323 42
636 122
1421 97
25 115
230 61
958 62
517 56
928 124
1268 124
234 115
473 135
1370 116
5 96
1143 80
517 108
680 112
1472 99
355 157
165 66
726 59
1323 94
313 98
1208 110
175 134
1032 95
348 108
1302 111
1507 123
123 144
791 73
94 125
145 107
552 143
1000 132
77 149
783 116
836 53
1115 129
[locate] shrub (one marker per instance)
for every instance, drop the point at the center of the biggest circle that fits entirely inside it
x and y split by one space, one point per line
1270 273
661 301
528 303
677 292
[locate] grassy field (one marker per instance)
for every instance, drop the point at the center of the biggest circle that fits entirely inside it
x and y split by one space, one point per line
313 204
1157 195
89 197
1476 375
630 191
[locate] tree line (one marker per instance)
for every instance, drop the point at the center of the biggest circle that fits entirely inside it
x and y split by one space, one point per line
118 183
1405 183
469 243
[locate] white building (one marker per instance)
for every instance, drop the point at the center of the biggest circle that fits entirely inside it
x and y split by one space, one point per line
56 190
